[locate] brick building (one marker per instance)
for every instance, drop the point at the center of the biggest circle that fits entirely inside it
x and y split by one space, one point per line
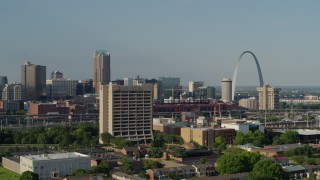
206 136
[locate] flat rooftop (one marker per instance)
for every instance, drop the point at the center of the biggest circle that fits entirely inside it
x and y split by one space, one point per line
41 157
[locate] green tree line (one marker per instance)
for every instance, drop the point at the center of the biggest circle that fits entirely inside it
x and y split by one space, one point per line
82 134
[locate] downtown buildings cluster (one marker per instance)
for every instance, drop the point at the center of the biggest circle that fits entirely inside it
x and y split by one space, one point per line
126 107
134 109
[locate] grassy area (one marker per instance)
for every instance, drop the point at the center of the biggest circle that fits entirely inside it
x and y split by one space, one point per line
8 175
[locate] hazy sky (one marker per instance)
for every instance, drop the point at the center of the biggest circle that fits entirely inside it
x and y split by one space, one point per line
190 39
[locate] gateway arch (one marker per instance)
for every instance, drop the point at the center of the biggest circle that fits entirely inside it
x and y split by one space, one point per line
235 72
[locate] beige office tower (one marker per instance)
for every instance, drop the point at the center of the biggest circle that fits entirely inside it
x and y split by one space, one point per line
195 85
268 97
226 89
101 69
126 112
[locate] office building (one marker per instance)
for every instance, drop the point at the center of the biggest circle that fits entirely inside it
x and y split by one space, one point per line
57 88
12 92
170 87
250 103
33 80
3 80
84 87
226 90
268 97
195 85
126 112
157 85
204 92
54 165
311 98
206 136
56 75
101 69
242 125
128 81
10 105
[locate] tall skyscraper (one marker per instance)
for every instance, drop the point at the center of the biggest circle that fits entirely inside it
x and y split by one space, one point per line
101 69
268 97
126 112
33 80
226 89
3 82
56 75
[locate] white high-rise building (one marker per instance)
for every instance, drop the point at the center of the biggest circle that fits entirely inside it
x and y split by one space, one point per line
126 112
226 89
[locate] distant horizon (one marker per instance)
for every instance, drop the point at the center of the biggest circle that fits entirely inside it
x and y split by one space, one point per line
193 40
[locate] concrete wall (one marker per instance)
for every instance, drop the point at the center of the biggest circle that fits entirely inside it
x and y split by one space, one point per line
11 165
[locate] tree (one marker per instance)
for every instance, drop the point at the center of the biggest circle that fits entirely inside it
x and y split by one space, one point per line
219 145
236 160
28 175
104 167
258 138
267 170
177 151
282 105
162 138
172 175
79 172
305 150
299 159
155 152
240 139
125 165
142 174
42 138
203 160
289 137
151 164
250 136
276 140
157 144
232 163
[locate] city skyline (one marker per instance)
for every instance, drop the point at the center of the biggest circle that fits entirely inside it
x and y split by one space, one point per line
187 39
